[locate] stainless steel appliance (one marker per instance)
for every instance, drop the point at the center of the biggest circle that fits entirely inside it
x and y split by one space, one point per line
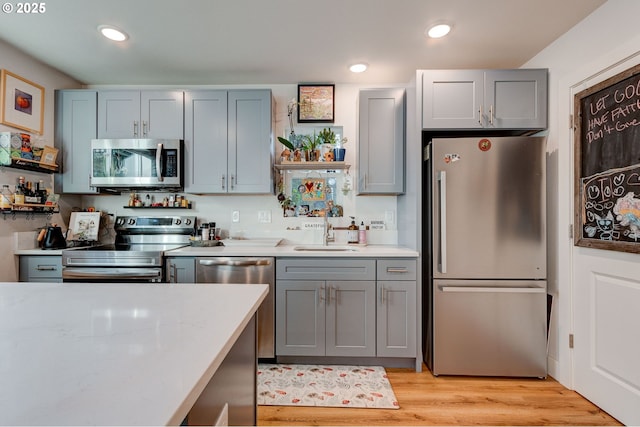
486 290
137 163
136 255
246 270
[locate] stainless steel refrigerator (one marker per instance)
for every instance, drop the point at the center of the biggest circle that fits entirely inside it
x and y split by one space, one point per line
486 296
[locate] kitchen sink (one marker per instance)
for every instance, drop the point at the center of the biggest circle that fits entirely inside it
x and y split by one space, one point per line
330 248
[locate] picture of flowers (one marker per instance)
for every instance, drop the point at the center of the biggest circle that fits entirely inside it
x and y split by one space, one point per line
22 103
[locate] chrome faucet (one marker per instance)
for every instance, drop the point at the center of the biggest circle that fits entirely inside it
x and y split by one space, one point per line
326 235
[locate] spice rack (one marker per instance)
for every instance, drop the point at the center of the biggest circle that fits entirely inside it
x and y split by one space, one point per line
33 165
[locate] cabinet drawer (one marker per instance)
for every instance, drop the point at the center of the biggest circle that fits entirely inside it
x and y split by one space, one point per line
32 267
396 269
326 269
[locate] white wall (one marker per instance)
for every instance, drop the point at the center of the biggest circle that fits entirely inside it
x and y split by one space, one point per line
606 37
51 79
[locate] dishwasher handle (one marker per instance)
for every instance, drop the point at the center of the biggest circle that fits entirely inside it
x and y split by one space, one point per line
234 262
485 289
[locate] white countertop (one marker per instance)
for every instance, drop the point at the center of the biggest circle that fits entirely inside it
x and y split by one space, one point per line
114 354
286 250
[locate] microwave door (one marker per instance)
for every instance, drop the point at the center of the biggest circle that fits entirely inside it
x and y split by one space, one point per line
159 167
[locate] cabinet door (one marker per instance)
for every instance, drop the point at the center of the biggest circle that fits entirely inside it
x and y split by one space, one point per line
300 318
516 99
180 270
381 141
396 319
162 114
351 318
119 114
250 155
205 142
452 99
76 119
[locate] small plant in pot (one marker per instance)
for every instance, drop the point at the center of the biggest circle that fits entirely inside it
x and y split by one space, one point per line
339 151
311 145
328 138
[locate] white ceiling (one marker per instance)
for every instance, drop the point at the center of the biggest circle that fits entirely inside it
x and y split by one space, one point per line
200 42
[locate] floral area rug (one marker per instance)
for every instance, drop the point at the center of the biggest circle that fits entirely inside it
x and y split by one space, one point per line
325 385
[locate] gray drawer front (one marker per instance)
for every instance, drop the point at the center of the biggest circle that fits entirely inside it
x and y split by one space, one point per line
325 269
397 269
40 266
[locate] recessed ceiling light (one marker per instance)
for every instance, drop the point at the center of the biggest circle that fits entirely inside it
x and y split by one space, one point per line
112 33
358 68
438 30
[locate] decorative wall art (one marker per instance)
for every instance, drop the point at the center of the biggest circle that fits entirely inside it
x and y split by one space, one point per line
607 165
316 103
22 103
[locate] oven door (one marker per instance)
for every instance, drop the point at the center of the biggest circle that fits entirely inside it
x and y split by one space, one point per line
145 163
112 274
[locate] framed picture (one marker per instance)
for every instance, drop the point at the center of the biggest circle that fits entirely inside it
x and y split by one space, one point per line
22 103
316 103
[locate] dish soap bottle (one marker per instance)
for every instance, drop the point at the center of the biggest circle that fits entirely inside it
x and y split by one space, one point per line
352 232
362 234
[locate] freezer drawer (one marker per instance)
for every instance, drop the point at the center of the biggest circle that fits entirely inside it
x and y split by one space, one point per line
494 328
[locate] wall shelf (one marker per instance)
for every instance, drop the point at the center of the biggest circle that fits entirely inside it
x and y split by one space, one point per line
157 207
328 166
32 166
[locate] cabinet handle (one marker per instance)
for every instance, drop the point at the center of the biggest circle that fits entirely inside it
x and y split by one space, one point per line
135 128
321 294
480 115
382 295
491 114
232 178
144 128
46 268
172 273
223 187
396 270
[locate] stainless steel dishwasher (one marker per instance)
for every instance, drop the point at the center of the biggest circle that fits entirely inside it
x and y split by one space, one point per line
246 270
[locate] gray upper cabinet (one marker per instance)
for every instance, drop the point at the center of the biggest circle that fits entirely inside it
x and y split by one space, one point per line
76 126
228 141
484 99
140 114
381 115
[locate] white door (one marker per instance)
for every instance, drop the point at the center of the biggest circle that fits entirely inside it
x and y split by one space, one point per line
606 322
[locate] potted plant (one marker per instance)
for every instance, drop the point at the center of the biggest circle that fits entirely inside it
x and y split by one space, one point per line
328 138
311 143
289 148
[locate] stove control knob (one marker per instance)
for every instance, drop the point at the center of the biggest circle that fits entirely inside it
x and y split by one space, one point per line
132 221
187 221
178 221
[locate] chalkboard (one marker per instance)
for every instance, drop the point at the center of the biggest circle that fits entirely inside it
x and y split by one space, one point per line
607 164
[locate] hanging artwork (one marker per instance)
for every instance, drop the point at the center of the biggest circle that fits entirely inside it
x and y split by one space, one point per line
316 103
22 103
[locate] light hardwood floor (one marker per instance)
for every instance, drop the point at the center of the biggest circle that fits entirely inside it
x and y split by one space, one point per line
450 400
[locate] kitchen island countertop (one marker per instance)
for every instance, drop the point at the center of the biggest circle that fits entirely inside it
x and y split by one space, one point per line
114 354
288 250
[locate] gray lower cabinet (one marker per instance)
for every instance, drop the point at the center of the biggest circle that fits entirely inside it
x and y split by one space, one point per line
484 99
396 308
40 268
76 126
381 159
325 307
180 270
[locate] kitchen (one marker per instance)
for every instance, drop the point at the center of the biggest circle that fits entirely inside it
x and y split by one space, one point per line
560 57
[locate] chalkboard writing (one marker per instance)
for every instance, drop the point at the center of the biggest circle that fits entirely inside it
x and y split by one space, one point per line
607 158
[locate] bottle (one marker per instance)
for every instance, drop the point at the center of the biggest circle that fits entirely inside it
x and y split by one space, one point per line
18 196
212 231
6 198
362 234
205 231
352 232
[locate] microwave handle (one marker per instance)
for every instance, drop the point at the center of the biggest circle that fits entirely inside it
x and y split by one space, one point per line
159 162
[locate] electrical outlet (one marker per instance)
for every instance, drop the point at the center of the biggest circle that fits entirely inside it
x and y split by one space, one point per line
389 217
235 216
264 217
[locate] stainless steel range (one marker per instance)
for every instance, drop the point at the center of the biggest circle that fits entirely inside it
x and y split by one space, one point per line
137 253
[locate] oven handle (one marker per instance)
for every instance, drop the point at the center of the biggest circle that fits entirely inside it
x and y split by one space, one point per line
112 273
159 162
238 263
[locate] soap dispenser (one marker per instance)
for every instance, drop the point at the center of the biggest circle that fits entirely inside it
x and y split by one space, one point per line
352 232
362 234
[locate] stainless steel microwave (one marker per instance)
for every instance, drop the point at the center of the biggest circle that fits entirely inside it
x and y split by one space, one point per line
152 164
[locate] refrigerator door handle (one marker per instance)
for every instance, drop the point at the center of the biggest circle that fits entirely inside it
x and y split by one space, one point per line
442 180
478 289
